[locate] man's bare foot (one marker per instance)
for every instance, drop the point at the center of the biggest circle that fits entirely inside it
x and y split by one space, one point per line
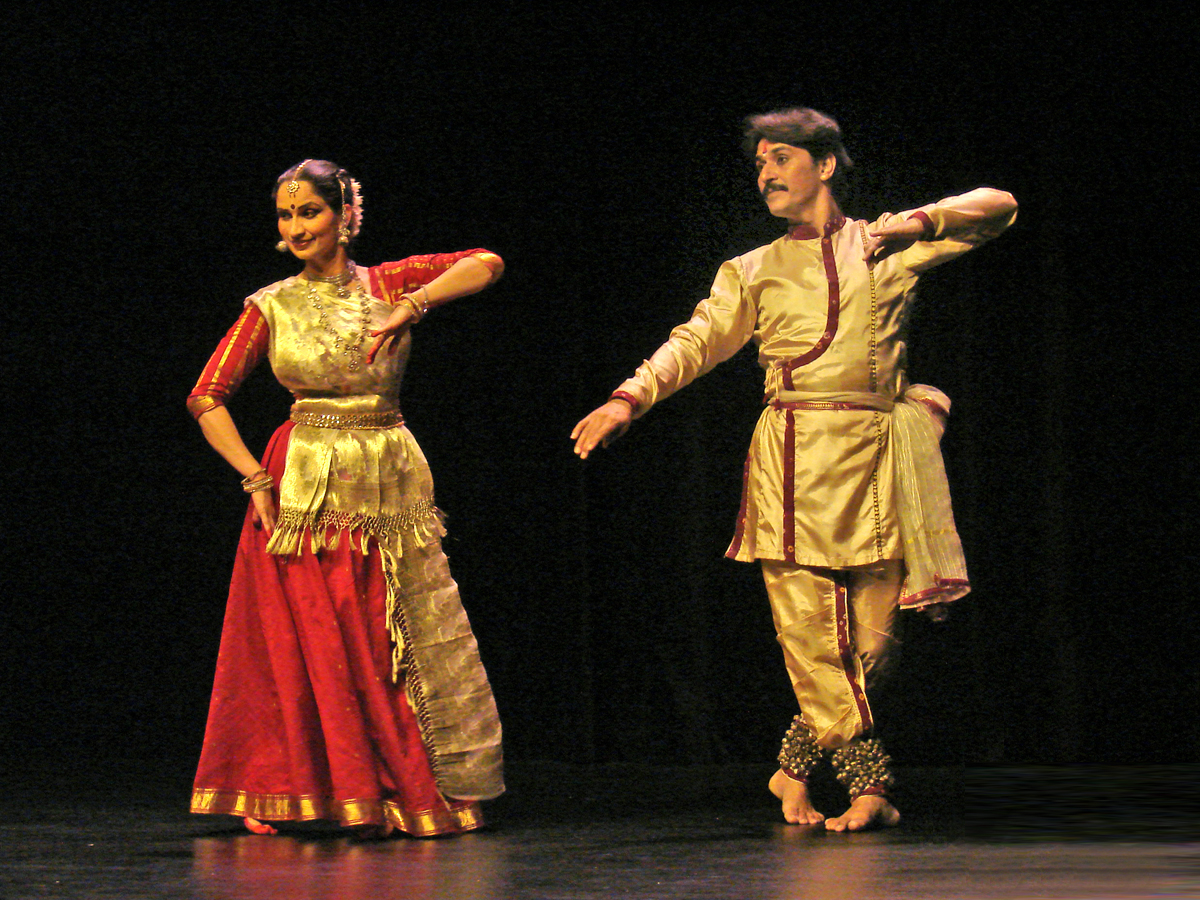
797 808
868 811
256 827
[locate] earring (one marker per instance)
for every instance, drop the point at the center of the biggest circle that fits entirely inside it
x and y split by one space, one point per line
344 233
281 247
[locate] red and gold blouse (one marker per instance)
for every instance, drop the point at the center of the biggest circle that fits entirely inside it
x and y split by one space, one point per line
249 340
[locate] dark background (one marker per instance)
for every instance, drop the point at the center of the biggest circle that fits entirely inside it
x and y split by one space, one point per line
597 152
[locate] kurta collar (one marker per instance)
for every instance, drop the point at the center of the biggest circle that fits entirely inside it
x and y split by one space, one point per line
805 232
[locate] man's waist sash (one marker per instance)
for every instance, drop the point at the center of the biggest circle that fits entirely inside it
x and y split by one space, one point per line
830 400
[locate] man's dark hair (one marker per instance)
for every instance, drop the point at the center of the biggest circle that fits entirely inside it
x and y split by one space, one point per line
800 126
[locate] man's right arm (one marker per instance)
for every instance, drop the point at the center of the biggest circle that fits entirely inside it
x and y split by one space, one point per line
719 326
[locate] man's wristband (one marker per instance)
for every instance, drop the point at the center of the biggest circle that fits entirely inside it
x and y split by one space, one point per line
930 228
627 397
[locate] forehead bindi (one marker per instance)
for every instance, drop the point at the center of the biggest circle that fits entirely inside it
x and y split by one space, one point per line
766 150
304 196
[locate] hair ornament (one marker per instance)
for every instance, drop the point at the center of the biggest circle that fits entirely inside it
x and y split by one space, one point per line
294 184
355 203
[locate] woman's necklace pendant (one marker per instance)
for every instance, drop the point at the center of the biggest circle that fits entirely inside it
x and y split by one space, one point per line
341 285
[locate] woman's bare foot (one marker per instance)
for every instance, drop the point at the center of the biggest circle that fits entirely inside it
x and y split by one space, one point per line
374 832
256 827
797 808
868 811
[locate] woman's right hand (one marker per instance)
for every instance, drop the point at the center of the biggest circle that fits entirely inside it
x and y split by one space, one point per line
602 426
262 513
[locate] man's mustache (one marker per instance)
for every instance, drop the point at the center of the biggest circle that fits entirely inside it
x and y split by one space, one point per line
773 186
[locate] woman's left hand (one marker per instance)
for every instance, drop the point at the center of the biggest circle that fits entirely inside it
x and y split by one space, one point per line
892 238
404 314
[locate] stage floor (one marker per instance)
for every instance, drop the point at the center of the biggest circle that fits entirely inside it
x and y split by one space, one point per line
579 833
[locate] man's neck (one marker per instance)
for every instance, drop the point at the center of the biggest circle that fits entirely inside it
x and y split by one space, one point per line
823 210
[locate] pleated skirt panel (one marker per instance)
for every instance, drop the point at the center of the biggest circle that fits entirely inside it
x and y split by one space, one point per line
305 720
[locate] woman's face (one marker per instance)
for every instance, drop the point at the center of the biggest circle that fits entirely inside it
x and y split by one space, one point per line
307 224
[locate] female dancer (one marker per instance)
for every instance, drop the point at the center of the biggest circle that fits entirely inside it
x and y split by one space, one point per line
348 685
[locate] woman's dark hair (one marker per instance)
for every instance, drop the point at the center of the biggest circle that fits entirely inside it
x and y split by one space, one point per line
329 180
331 183
800 126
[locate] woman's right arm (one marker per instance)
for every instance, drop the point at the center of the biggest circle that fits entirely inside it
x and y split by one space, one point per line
236 356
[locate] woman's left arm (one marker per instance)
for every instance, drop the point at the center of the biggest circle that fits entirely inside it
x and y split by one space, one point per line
469 275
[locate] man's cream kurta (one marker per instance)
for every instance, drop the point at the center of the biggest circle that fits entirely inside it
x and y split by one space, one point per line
820 487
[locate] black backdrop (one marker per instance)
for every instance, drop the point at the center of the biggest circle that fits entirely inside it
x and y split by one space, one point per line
598 153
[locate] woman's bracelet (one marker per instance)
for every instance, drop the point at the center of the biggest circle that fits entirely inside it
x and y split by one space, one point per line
412 304
259 481
419 309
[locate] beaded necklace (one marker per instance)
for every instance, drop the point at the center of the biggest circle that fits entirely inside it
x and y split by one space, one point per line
352 347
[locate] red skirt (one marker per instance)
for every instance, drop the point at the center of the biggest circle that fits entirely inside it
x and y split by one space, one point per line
305 721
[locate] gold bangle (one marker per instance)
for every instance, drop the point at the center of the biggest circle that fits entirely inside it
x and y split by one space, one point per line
412 304
259 481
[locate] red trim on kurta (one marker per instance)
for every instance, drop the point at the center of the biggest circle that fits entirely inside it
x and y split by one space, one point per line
930 228
833 308
941 586
934 408
806 232
846 650
736 544
789 488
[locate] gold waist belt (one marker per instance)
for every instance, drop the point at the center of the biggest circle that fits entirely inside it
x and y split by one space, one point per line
859 400
348 421
821 404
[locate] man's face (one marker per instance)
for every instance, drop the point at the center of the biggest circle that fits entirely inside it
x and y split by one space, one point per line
789 179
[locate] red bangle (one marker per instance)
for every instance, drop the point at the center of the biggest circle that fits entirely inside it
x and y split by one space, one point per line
627 397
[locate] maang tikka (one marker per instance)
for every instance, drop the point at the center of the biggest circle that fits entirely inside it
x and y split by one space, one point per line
294 184
291 187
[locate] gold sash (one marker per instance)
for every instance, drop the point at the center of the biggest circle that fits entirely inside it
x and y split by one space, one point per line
936 570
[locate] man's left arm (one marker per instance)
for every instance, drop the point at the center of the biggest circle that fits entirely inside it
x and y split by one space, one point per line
938 232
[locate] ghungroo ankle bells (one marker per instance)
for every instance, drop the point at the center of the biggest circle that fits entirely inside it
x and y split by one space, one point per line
799 752
863 767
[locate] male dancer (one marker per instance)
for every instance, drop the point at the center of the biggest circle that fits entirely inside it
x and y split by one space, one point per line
845 502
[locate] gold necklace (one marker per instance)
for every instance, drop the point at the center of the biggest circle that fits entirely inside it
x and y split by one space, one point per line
352 347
